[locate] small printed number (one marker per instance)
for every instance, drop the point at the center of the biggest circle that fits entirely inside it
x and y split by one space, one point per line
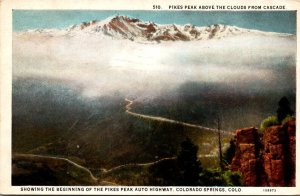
156 7
269 190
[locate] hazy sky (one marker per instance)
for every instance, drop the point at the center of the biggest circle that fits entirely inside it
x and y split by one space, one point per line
276 21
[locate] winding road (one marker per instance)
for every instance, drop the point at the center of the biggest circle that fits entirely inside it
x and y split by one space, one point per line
120 167
138 164
47 157
163 119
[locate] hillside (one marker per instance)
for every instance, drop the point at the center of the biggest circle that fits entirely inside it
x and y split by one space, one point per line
27 170
94 133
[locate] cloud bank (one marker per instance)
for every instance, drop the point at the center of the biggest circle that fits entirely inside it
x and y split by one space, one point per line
101 67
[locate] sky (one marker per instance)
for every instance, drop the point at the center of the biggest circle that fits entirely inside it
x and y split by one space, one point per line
274 21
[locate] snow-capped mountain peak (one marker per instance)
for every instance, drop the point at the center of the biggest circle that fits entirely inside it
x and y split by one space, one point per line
124 27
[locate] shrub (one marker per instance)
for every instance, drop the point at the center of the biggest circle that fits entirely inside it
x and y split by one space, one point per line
232 178
270 121
212 177
286 119
215 177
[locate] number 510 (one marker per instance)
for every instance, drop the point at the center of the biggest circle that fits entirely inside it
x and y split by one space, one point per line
156 7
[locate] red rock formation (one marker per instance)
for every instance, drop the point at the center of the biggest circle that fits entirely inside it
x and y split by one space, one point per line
273 155
291 151
269 160
246 158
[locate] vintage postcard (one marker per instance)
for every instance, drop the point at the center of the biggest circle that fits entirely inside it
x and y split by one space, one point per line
154 97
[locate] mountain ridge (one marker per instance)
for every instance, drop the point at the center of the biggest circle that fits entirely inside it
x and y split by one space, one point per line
124 27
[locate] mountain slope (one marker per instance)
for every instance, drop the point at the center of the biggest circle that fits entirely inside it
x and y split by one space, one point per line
27 169
123 27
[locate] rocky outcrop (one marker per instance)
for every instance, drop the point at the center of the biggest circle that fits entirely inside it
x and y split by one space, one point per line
291 133
267 160
247 157
279 154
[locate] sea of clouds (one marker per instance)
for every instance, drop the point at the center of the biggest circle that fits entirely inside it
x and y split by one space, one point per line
101 67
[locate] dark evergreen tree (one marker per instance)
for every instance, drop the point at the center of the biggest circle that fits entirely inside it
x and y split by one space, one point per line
229 153
188 164
164 173
283 109
186 170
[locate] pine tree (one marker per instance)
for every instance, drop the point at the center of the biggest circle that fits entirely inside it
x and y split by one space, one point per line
284 109
188 164
229 153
